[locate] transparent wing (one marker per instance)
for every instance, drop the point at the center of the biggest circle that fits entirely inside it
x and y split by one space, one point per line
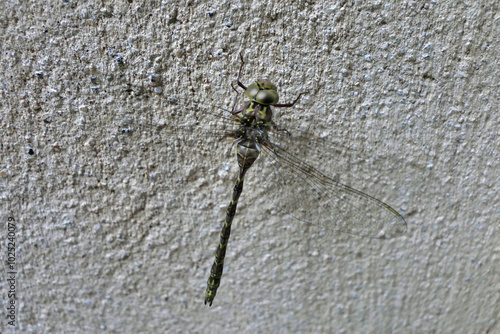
306 194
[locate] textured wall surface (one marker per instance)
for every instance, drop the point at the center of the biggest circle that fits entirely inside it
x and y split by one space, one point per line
118 187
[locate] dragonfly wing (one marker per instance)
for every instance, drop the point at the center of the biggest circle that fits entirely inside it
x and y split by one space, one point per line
310 196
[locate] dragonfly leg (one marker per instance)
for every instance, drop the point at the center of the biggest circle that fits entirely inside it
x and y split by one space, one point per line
287 105
236 90
235 99
277 128
239 73
235 112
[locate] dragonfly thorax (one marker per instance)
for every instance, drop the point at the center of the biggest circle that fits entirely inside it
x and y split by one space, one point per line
256 115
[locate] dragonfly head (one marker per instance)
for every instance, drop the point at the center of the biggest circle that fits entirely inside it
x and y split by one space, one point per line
263 92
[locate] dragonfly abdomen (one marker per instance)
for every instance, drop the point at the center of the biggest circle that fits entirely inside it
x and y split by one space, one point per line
247 154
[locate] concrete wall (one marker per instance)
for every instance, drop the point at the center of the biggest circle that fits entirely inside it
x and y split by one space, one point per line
118 188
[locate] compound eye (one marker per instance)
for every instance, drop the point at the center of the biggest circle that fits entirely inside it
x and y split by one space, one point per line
263 92
267 97
252 91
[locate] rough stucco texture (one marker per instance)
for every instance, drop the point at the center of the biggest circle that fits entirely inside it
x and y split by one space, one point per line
118 199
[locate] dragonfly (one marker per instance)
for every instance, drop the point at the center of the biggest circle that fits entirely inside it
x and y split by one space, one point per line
294 186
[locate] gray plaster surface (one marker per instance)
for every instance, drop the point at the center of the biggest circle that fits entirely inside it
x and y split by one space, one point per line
117 198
